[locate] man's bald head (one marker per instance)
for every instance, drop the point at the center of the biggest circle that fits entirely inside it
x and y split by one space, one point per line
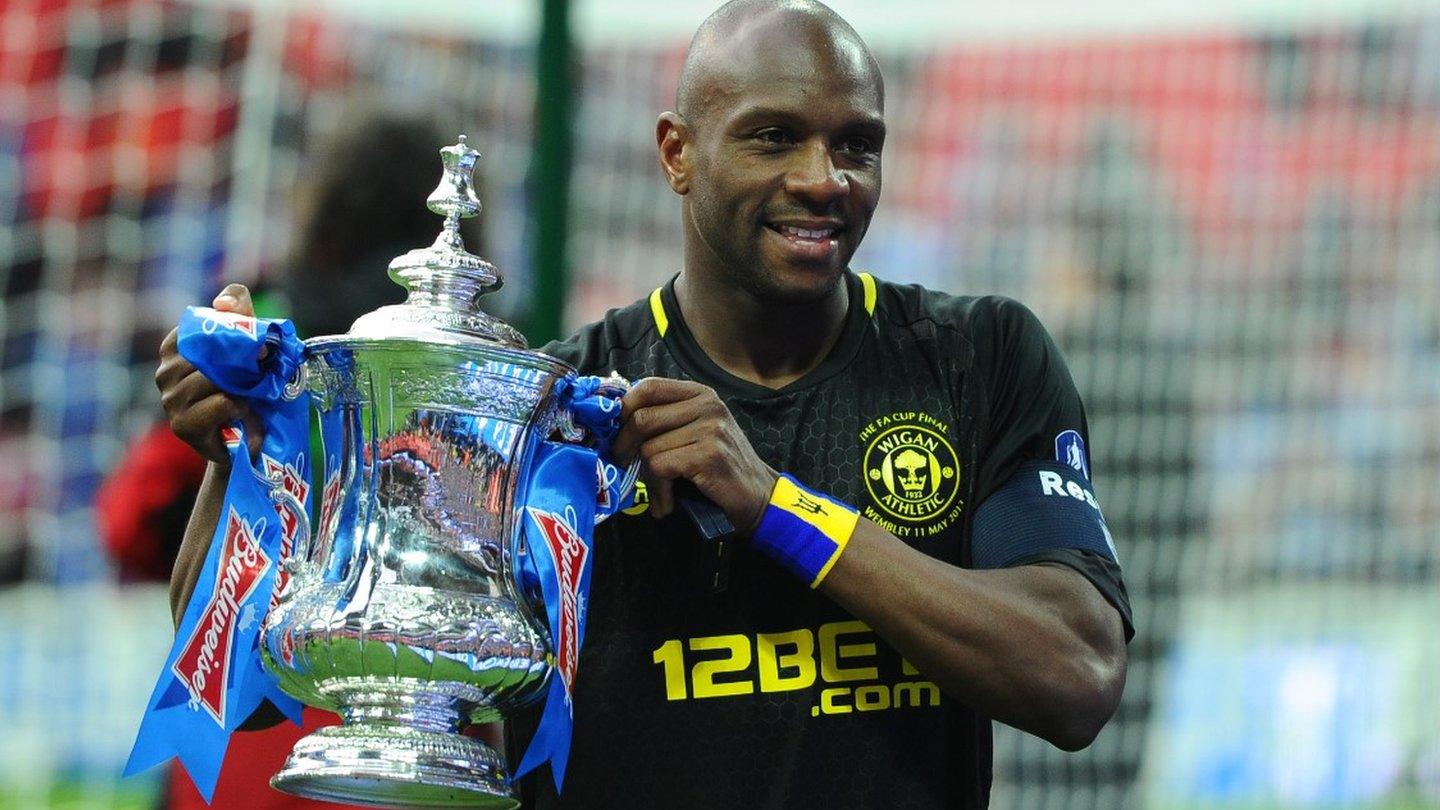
775 148
744 36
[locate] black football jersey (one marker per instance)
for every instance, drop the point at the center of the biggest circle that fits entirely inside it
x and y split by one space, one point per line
719 680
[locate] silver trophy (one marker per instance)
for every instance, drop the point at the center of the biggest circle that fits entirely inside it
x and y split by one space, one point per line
402 611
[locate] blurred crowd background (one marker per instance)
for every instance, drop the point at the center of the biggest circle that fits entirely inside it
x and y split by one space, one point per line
1228 214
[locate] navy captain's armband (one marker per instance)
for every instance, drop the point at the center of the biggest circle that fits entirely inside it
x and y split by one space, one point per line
1045 505
804 530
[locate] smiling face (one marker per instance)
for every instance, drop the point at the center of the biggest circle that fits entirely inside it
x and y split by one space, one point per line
779 157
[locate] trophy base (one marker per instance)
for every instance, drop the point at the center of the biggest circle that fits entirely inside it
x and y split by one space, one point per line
385 765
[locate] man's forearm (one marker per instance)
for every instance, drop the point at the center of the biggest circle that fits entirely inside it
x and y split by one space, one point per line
1036 647
196 544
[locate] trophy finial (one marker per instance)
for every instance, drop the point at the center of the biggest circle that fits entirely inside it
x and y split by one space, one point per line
455 196
445 280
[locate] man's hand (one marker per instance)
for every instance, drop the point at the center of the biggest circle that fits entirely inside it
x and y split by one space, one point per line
681 430
196 408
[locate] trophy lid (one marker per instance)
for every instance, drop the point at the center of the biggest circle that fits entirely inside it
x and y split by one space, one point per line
445 281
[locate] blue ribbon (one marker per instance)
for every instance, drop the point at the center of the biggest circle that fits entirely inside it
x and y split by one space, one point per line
213 680
572 488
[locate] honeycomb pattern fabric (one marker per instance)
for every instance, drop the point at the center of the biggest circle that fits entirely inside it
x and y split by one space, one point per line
766 693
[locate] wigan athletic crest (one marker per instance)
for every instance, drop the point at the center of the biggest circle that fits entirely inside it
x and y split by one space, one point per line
911 473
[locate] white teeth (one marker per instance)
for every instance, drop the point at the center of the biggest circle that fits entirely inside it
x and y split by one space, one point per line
807 234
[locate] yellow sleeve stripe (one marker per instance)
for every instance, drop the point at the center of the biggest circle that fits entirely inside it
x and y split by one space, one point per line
657 308
867 281
831 519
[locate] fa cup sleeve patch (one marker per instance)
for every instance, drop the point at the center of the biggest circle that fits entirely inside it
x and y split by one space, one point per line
1070 449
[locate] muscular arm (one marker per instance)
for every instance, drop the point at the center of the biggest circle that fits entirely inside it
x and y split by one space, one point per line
1035 646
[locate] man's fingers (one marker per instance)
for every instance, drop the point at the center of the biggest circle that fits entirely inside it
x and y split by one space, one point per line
173 368
199 425
658 391
254 432
660 477
692 433
178 396
196 407
644 423
667 467
664 421
234 298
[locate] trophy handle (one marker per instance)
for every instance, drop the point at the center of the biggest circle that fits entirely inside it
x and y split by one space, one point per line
293 564
297 383
294 520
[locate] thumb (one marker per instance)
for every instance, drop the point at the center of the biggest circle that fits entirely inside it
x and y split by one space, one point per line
235 298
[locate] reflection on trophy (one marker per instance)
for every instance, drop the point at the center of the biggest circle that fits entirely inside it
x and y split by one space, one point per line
402 611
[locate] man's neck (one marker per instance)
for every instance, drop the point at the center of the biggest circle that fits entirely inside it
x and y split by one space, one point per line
764 342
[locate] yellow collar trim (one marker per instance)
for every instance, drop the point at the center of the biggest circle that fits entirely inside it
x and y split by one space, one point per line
662 321
867 281
657 309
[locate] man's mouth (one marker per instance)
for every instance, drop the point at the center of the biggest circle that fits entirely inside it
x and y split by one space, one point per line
810 234
807 242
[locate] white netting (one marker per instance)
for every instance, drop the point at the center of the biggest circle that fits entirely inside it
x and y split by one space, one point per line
1234 236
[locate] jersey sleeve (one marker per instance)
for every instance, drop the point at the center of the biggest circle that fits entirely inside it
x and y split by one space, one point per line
1036 501
585 351
605 345
571 350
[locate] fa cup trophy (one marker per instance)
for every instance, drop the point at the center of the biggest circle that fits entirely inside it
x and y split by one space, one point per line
403 611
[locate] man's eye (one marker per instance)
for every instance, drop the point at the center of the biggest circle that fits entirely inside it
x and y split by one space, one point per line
858 144
773 135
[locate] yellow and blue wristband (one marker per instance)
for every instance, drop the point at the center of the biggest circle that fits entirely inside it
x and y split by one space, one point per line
804 530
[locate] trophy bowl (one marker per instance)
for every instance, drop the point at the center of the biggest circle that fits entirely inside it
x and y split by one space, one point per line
400 608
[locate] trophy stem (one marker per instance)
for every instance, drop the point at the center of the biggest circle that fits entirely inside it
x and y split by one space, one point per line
450 235
398 749
440 714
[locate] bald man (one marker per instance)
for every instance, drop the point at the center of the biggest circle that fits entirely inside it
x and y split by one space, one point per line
918 547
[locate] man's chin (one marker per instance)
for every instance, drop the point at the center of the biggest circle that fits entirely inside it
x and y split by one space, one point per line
801 284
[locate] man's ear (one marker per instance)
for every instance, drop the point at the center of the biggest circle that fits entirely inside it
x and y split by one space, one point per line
672 136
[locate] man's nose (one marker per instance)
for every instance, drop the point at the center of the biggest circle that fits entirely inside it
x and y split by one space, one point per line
815 178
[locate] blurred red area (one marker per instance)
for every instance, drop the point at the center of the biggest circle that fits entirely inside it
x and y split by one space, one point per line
1213 116
102 112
